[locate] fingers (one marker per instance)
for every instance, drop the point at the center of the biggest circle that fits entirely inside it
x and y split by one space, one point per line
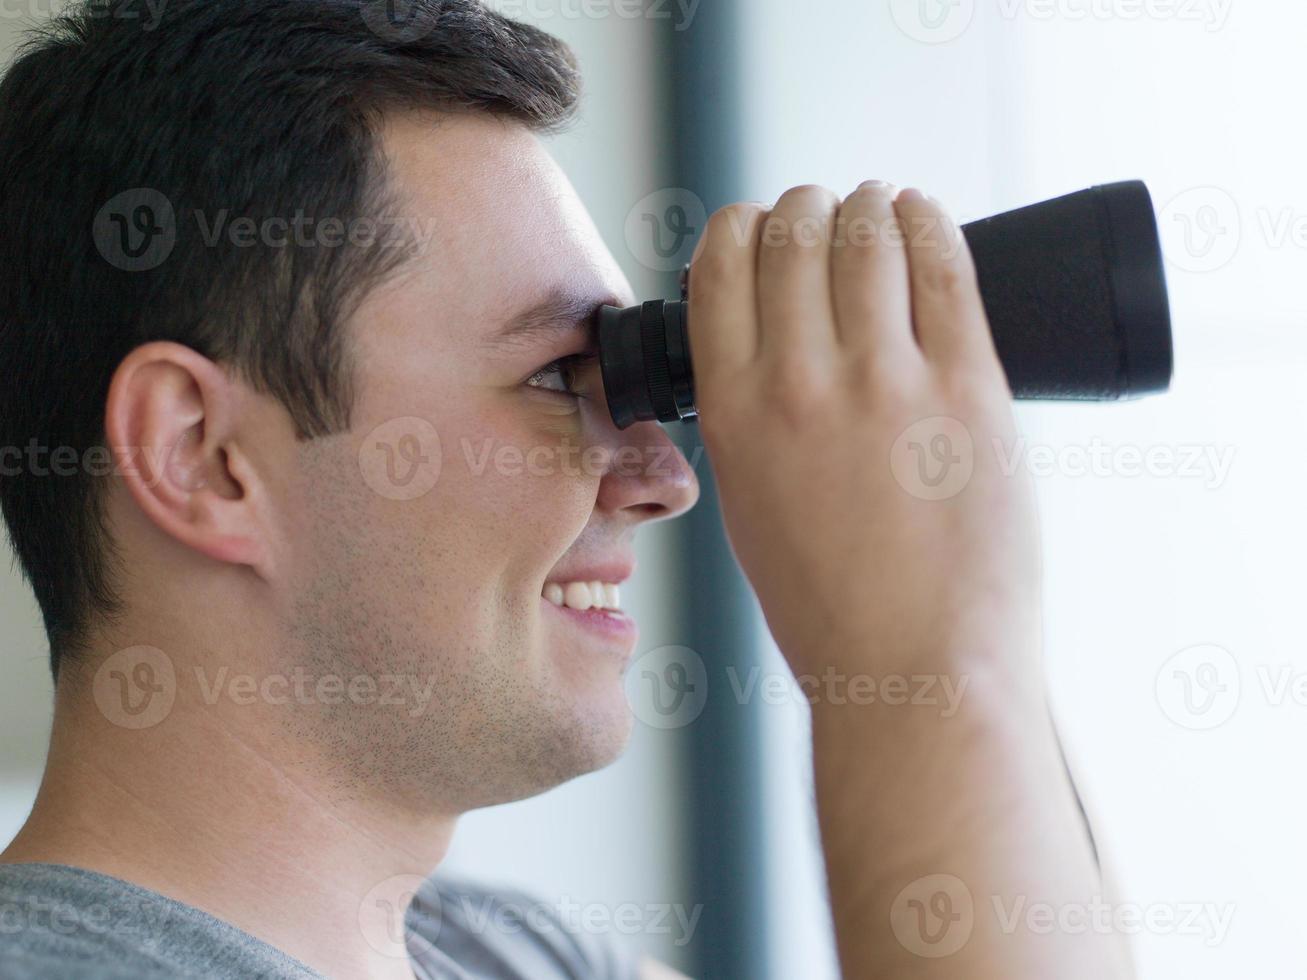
723 293
795 305
947 312
873 302
874 278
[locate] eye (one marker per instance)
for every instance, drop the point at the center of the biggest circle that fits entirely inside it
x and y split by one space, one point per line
560 376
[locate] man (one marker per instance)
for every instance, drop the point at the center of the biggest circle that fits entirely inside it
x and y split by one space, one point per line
281 268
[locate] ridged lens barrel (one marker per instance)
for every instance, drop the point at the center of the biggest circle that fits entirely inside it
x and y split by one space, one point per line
1074 290
644 354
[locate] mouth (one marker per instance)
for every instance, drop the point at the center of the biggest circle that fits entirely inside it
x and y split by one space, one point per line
596 585
612 625
581 596
594 602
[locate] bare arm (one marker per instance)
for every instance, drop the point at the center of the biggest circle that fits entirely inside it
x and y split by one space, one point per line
850 398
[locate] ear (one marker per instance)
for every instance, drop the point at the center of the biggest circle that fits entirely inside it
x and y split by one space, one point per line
173 423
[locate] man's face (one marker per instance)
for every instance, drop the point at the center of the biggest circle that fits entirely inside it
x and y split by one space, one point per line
439 585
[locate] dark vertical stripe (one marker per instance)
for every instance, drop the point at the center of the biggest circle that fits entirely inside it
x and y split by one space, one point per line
722 774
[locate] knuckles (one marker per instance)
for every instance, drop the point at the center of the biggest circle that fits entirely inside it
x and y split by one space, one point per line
797 389
728 238
802 218
938 277
809 195
791 391
735 224
944 277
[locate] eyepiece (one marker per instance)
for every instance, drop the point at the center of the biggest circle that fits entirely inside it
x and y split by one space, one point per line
644 354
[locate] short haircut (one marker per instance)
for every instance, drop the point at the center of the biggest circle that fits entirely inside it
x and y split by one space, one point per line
119 122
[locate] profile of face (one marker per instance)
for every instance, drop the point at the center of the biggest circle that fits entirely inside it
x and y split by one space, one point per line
476 472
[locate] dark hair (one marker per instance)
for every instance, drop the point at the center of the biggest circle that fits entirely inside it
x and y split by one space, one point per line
112 128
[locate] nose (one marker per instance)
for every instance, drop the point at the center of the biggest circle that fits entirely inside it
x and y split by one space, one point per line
647 477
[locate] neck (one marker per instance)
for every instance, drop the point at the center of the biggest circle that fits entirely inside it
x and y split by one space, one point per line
217 808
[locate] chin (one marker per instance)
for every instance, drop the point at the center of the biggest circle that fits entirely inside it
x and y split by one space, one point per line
562 729
594 732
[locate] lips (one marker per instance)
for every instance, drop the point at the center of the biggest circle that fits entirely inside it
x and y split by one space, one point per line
612 626
613 571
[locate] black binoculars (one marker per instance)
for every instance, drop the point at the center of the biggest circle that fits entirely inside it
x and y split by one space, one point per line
1073 288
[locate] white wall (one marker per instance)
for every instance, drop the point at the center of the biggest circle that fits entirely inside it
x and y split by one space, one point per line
1004 103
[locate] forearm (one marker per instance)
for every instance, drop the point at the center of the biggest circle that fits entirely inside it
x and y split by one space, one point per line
849 391
954 845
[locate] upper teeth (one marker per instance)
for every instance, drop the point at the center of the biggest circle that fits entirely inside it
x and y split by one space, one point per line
583 595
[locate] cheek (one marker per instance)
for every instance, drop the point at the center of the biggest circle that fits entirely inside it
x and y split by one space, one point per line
532 484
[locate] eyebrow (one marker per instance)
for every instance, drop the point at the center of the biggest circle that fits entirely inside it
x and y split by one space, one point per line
563 310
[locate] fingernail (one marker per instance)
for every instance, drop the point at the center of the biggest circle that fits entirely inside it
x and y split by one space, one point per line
912 194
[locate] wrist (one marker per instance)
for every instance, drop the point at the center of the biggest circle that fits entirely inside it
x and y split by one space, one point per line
930 697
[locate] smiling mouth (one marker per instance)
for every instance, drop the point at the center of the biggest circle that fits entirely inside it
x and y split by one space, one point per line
584 595
615 627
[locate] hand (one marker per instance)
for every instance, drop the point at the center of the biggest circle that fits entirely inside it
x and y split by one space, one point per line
850 397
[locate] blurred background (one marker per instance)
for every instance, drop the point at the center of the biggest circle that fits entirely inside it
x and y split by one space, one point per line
1176 642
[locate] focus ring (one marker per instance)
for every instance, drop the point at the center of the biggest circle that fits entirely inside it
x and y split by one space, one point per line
658 373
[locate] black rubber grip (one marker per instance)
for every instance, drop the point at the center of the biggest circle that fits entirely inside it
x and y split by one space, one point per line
1076 296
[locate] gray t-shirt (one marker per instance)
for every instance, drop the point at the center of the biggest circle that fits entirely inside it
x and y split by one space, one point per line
58 922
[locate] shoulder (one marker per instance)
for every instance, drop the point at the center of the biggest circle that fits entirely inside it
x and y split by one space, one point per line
53 923
18 964
58 921
482 926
